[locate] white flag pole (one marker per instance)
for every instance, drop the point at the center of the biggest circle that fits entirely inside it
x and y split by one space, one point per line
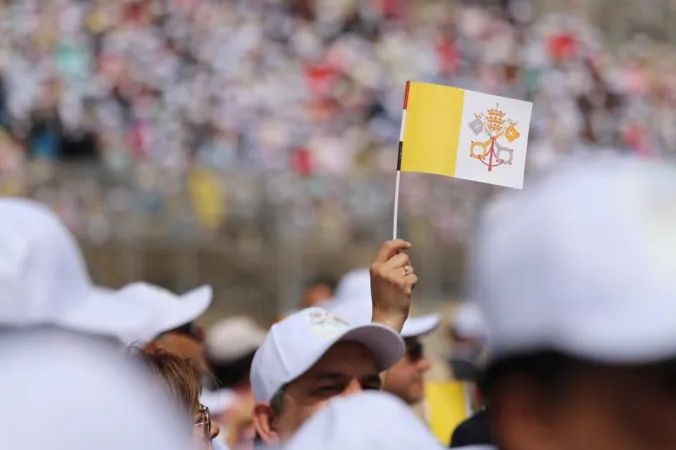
398 179
396 204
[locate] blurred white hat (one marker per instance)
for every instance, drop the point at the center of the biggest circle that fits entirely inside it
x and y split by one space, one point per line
95 397
468 321
232 338
353 302
372 420
583 262
168 310
218 401
296 343
44 281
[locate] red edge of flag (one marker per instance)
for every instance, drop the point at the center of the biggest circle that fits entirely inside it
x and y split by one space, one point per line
408 85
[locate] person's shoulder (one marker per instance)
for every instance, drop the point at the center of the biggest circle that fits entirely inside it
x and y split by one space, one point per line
473 431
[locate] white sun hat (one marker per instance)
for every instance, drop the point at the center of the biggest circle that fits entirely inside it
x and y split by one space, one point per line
583 262
468 321
370 420
232 338
44 281
169 311
218 401
296 343
90 396
352 300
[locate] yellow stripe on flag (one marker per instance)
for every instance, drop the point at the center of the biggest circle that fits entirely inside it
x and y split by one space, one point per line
432 129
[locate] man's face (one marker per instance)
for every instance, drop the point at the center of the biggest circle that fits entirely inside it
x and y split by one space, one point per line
347 368
603 408
405 379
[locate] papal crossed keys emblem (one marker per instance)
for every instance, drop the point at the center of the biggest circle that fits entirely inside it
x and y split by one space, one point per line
497 125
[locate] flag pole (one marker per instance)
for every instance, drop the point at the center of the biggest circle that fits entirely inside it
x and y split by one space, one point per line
398 178
396 204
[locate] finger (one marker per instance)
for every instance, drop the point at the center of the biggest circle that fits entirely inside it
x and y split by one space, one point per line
412 280
397 261
391 248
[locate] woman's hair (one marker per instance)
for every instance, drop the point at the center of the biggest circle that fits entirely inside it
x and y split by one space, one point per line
180 375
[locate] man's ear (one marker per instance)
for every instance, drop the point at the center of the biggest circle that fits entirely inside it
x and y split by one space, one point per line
263 421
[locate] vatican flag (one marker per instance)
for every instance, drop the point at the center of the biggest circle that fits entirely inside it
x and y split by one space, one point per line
208 198
464 134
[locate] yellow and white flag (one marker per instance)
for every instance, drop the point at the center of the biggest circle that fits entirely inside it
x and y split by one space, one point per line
464 134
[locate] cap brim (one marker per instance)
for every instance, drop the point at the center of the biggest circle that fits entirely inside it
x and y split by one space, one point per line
190 307
386 345
103 312
420 326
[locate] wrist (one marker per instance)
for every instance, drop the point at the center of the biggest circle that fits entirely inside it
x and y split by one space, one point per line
392 319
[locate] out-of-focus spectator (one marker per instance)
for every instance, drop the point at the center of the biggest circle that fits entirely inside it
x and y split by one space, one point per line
231 344
183 380
581 329
318 291
88 395
45 281
365 421
468 334
173 327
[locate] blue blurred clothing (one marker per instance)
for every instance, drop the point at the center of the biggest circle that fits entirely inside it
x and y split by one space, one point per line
219 445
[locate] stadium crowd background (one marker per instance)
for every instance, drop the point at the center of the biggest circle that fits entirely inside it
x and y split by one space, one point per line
251 144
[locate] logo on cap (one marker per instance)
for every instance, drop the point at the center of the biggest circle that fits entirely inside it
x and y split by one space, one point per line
324 323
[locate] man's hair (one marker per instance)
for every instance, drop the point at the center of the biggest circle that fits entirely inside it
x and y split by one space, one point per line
323 280
179 374
548 371
233 373
277 401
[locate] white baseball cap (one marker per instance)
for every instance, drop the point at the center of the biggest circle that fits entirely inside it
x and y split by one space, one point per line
370 420
44 280
353 301
583 262
232 338
468 321
169 310
296 343
92 396
218 401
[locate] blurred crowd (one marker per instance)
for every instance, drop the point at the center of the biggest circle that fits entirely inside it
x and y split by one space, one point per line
173 96
567 339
